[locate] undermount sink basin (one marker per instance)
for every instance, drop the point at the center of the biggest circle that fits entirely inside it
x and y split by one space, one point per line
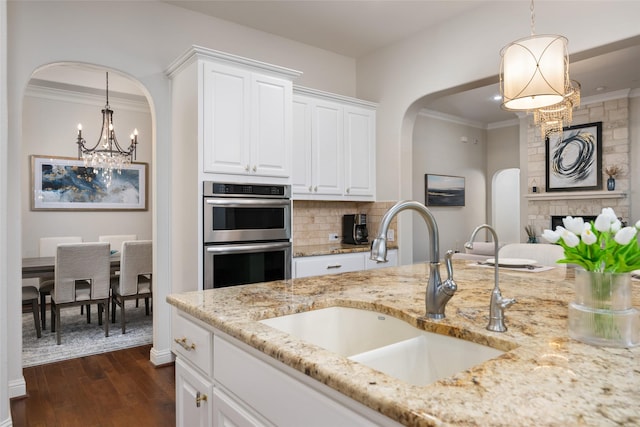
384 343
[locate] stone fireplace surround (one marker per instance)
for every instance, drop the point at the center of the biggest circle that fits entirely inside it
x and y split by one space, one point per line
542 206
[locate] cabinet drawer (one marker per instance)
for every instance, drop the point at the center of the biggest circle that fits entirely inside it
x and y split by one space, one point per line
191 342
328 264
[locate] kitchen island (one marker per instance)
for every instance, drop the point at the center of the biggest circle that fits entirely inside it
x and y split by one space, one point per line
543 378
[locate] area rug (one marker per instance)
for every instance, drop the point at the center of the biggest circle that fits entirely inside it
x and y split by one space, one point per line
82 339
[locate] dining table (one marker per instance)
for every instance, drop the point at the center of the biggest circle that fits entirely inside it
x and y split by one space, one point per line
45 266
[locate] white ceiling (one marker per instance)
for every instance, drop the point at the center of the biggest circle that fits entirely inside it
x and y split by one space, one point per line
331 25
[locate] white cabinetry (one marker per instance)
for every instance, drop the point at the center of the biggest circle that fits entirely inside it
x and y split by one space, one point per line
339 263
193 394
249 389
247 122
333 147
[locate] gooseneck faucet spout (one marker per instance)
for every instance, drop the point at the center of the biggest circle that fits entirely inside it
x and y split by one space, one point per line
438 293
498 302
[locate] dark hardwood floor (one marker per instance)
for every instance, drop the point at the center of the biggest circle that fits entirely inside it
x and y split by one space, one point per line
116 389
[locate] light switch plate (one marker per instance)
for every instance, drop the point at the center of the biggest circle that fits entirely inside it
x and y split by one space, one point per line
391 235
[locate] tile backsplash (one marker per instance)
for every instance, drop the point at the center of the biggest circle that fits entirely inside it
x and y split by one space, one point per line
313 221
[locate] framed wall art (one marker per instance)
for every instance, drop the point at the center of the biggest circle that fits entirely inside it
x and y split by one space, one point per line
443 190
574 158
61 183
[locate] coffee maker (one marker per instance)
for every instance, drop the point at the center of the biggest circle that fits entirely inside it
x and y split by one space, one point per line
354 229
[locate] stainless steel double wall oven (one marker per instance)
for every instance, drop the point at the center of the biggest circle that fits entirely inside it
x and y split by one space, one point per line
247 233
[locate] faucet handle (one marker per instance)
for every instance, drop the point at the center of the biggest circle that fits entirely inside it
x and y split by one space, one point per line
447 260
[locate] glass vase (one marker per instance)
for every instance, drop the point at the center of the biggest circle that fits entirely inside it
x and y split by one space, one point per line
602 313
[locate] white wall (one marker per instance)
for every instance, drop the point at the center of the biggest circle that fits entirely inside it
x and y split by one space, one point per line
49 129
460 53
139 39
438 149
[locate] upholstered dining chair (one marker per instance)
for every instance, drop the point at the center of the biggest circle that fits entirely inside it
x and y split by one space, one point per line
116 240
47 247
81 278
135 278
543 253
30 298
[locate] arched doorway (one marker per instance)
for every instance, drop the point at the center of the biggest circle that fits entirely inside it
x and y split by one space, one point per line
58 97
505 204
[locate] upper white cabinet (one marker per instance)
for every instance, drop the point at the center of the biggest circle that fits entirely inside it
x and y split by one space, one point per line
243 114
247 122
333 147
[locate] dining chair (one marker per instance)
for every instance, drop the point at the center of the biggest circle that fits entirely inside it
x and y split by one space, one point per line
546 254
47 248
30 298
135 278
81 278
116 240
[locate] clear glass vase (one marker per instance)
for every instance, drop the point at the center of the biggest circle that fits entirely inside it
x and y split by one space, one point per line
602 313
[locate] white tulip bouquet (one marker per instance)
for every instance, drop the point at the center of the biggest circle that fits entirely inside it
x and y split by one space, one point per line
602 245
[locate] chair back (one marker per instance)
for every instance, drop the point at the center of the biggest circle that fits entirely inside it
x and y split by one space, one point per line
81 261
136 259
48 245
116 240
544 253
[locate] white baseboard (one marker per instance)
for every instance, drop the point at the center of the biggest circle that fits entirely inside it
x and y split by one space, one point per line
17 388
161 357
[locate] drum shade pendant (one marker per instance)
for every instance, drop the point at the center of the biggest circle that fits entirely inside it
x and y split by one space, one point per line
534 71
107 154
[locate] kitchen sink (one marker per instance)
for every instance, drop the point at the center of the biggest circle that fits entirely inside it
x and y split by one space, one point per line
384 343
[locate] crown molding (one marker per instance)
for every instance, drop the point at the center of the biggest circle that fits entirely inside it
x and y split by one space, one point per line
63 92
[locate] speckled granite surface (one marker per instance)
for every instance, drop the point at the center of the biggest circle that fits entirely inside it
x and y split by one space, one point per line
545 378
332 249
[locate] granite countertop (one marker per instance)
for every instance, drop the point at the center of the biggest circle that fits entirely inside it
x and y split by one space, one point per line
332 249
544 378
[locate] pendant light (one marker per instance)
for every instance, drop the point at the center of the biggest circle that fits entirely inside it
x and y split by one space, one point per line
534 71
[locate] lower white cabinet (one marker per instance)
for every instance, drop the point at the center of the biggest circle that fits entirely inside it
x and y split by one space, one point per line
249 389
194 407
339 263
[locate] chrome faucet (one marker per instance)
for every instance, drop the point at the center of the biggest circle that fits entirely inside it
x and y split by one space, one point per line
438 293
498 303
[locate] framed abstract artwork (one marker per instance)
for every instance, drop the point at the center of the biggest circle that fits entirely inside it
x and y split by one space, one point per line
61 183
574 158
444 190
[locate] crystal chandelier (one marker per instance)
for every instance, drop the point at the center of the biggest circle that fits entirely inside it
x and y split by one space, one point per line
551 119
107 154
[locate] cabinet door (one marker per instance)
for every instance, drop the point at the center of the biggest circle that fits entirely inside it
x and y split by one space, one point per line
301 170
360 147
270 126
226 131
227 412
328 148
193 397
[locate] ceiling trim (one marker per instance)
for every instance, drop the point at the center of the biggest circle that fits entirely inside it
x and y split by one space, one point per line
56 91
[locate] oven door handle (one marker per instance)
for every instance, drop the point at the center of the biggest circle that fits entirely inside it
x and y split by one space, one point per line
242 249
246 202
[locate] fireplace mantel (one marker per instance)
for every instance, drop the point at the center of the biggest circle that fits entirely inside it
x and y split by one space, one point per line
576 195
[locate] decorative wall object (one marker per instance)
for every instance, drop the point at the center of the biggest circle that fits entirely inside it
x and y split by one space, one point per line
61 183
444 190
574 158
